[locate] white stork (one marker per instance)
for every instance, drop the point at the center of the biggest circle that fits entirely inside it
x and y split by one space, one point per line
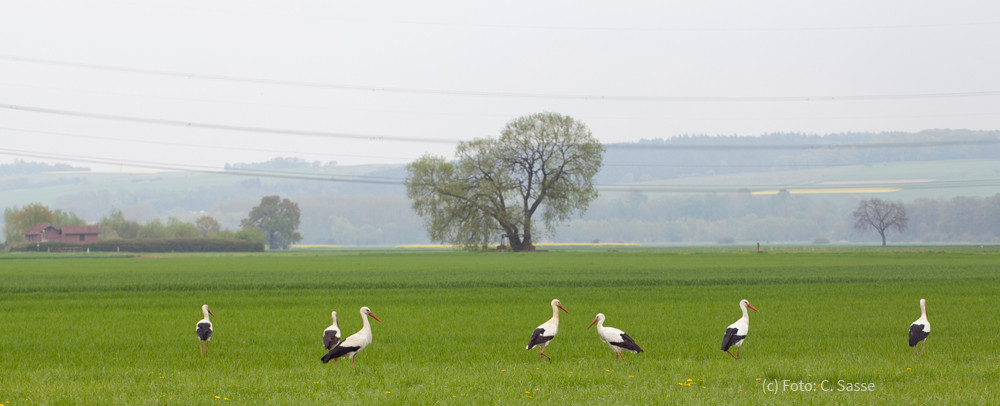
331 336
547 331
737 331
204 329
920 329
615 338
352 345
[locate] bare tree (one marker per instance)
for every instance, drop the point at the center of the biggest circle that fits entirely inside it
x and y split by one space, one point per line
879 215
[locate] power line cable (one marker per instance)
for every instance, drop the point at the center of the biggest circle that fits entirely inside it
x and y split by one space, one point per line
475 93
652 188
378 180
643 146
177 144
226 127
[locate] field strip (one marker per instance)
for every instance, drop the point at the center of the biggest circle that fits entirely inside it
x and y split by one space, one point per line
829 190
874 182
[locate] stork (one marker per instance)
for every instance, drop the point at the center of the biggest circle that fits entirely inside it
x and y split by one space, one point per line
546 331
615 338
737 331
331 336
352 345
204 329
920 329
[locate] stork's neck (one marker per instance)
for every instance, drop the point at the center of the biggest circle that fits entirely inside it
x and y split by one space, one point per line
365 326
204 312
555 312
923 309
744 308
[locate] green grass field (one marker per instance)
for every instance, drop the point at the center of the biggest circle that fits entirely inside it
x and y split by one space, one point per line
110 329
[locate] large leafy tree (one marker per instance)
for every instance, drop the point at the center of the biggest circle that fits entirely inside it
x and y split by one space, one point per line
277 220
18 220
881 216
541 166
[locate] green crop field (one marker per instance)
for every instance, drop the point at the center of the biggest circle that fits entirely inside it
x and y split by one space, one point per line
120 329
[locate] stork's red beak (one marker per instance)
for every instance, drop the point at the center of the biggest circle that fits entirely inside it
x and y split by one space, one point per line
373 316
592 323
563 308
210 312
752 308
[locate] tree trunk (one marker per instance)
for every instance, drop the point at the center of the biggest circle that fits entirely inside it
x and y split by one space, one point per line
882 233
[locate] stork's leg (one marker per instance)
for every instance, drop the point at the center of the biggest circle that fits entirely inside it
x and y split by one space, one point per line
738 351
542 354
730 354
922 343
352 362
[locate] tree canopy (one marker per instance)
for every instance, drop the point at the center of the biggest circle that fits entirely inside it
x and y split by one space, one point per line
277 220
543 164
879 215
18 220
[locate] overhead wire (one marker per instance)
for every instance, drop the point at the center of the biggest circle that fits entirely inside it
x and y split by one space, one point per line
480 93
394 138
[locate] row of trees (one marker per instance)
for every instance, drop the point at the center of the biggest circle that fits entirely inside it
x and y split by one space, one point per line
274 221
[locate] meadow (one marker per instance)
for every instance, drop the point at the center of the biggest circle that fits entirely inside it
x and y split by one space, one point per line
106 328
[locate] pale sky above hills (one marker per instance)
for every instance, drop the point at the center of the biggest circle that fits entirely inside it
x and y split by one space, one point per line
194 84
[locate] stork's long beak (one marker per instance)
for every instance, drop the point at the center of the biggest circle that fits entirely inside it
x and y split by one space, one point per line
752 308
563 308
210 312
592 323
373 316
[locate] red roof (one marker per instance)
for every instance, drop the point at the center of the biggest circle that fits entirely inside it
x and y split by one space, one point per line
81 230
37 228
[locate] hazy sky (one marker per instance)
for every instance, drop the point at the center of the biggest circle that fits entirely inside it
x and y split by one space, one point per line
202 83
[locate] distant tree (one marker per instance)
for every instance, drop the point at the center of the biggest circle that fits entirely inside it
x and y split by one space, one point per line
246 234
153 229
207 226
277 220
541 164
66 218
16 221
881 216
115 226
179 229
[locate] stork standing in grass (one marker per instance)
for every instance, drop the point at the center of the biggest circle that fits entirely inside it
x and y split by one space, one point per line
920 329
204 329
547 331
331 336
615 338
737 331
352 345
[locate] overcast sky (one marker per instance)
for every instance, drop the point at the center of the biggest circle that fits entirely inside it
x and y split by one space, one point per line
197 84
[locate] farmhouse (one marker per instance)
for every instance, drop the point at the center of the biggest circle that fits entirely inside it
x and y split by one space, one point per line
67 235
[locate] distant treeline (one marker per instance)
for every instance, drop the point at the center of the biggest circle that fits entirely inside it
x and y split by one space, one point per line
20 167
746 218
702 155
146 245
279 163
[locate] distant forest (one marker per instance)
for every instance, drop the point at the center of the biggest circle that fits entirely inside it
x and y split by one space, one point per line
377 213
701 155
21 167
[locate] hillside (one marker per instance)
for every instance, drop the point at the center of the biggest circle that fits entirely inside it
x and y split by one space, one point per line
820 178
